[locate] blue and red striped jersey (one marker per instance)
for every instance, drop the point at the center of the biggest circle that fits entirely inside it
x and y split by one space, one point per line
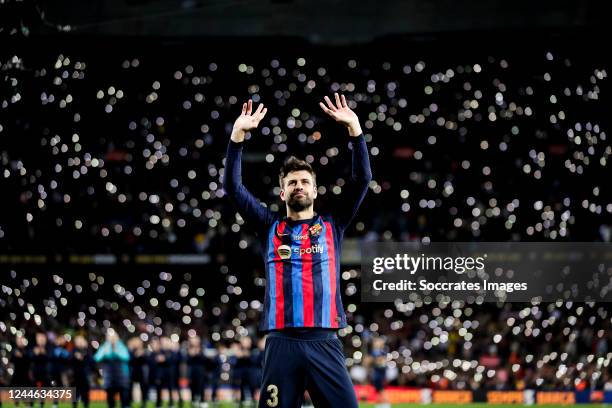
302 257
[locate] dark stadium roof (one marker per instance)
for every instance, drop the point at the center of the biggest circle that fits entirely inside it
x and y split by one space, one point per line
317 21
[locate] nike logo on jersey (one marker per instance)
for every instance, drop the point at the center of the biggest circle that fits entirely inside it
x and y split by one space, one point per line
295 237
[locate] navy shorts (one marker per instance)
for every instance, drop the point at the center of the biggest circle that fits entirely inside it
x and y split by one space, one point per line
311 360
378 379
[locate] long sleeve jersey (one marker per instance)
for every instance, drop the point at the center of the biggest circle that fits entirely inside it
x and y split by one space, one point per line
302 258
115 362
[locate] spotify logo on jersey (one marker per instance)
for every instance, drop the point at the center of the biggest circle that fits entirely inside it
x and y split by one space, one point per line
284 251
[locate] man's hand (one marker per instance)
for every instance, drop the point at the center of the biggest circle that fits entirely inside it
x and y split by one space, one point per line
247 120
341 113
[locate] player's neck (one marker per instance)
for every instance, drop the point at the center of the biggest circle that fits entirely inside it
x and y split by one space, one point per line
300 215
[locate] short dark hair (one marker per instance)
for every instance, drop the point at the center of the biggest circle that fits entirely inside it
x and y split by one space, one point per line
292 163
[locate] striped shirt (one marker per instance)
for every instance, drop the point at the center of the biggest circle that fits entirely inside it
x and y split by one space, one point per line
302 257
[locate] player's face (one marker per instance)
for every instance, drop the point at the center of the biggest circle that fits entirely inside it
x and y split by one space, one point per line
21 341
60 341
80 342
41 339
112 337
166 343
299 190
195 344
246 343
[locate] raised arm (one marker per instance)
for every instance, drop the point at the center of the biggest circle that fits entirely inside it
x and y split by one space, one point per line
103 352
248 206
122 352
361 173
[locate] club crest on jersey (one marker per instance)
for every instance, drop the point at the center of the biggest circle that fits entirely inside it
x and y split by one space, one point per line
284 251
315 230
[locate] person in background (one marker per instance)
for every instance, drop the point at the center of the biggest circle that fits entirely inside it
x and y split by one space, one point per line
212 369
59 364
257 357
161 358
378 362
139 369
41 357
114 357
21 357
196 367
217 360
40 361
245 363
177 360
82 364
153 360
235 368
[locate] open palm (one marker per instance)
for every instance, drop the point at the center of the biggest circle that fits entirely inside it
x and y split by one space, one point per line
248 119
340 112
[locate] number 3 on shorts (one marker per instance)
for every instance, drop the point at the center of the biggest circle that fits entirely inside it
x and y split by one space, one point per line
273 400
